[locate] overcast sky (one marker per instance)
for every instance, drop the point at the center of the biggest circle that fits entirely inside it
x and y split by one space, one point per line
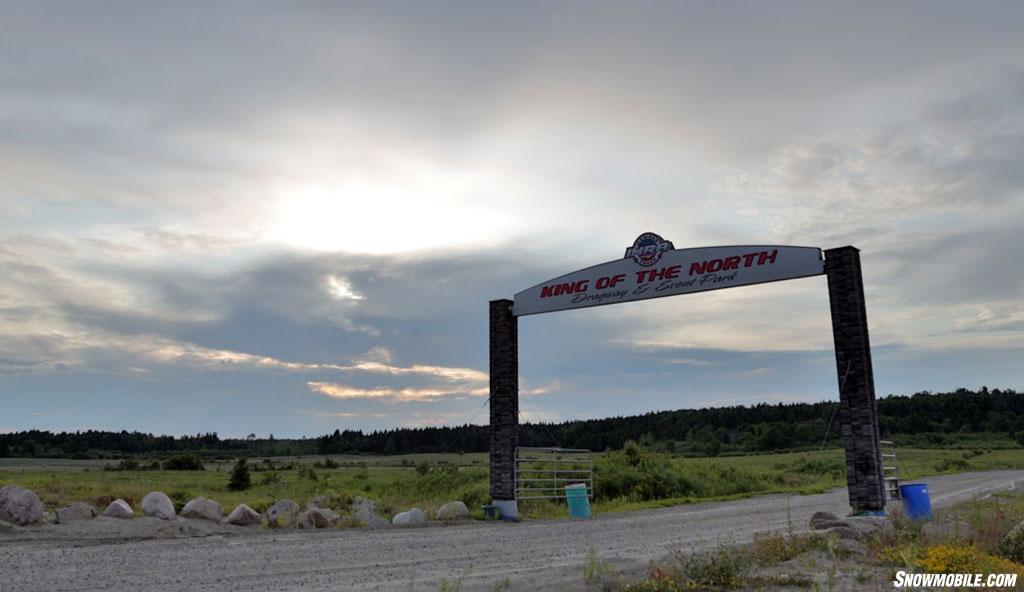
289 217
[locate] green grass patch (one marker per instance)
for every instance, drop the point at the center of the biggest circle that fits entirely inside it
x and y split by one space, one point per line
629 479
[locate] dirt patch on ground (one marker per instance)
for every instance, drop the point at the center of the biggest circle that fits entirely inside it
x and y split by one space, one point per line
115 529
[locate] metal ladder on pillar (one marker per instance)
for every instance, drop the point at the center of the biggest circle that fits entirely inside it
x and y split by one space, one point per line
890 472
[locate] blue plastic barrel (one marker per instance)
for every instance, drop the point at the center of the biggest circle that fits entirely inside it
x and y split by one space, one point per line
579 502
916 501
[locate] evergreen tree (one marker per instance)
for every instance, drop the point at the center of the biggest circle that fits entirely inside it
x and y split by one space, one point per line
240 480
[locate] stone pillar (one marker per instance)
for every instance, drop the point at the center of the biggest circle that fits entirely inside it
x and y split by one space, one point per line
857 413
504 433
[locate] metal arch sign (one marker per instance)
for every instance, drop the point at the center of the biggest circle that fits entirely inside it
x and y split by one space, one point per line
653 268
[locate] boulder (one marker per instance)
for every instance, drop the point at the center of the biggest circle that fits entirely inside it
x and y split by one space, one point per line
413 517
934 531
868 526
20 506
320 501
243 515
318 518
285 507
365 512
852 547
821 520
203 509
158 505
844 531
76 511
119 509
453 511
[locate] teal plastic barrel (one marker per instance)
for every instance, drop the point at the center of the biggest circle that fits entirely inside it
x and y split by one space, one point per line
916 502
579 501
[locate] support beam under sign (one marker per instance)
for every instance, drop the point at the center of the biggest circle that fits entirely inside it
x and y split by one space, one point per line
857 411
504 406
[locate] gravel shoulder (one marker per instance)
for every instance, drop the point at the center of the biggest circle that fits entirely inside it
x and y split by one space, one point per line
149 554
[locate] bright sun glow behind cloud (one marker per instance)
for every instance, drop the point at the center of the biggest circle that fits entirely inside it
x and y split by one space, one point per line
381 218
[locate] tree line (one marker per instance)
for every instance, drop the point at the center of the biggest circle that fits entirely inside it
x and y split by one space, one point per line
963 417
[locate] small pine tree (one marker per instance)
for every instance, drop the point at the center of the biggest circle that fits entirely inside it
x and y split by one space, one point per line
240 480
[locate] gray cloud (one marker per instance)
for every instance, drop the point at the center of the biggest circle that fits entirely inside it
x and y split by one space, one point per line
150 153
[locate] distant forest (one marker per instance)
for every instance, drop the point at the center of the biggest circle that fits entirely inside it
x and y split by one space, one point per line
964 418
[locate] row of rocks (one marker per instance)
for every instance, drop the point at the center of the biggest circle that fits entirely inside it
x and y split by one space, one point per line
22 507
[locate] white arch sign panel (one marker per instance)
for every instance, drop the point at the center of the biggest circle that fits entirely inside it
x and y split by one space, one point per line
652 269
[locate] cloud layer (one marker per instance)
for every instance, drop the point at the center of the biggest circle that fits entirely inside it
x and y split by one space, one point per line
303 234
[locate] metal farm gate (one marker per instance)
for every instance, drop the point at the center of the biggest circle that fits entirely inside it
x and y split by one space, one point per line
543 473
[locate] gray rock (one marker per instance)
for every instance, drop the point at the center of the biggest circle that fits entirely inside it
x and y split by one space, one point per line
20 506
7 527
76 511
844 532
243 515
453 511
320 501
318 518
413 517
820 519
158 505
361 504
365 512
868 526
852 547
119 509
958 529
203 509
833 524
285 507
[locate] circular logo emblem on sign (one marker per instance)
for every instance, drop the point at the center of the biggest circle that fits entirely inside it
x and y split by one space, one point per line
647 249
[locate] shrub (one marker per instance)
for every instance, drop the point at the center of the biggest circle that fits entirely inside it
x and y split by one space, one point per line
1012 546
240 479
597 571
951 464
829 467
477 495
638 475
184 462
328 463
308 472
963 559
770 548
722 567
180 497
127 464
423 468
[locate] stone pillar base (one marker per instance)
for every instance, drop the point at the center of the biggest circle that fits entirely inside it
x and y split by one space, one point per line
508 509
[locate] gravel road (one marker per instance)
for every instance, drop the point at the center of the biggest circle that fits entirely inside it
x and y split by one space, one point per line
534 556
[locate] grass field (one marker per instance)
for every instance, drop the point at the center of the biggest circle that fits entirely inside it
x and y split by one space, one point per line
625 480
